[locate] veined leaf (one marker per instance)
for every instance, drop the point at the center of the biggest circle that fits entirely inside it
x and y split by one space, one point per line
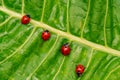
91 27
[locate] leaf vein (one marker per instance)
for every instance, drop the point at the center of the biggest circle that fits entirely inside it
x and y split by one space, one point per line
64 34
6 21
23 7
91 53
3 3
43 11
82 31
106 13
112 72
68 2
59 69
28 78
19 47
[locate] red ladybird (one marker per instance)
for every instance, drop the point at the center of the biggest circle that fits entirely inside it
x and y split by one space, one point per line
79 69
65 49
25 19
45 35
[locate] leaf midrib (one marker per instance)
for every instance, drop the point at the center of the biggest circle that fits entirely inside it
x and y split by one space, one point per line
65 34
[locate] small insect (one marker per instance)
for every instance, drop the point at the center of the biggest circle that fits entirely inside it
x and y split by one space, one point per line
25 19
79 69
65 49
45 35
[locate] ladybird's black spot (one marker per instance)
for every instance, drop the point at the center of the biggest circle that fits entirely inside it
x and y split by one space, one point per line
28 16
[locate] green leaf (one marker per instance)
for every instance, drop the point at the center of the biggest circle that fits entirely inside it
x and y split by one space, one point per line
92 27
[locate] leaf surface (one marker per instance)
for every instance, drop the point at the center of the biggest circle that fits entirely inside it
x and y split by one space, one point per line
90 26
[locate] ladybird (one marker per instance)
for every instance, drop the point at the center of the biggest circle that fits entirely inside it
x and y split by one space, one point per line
45 35
25 19
65 49
79 69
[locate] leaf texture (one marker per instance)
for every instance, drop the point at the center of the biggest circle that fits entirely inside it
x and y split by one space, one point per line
90 26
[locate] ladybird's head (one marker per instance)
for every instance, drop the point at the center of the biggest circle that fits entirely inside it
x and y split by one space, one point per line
66 44
78 73
46 31
28 15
